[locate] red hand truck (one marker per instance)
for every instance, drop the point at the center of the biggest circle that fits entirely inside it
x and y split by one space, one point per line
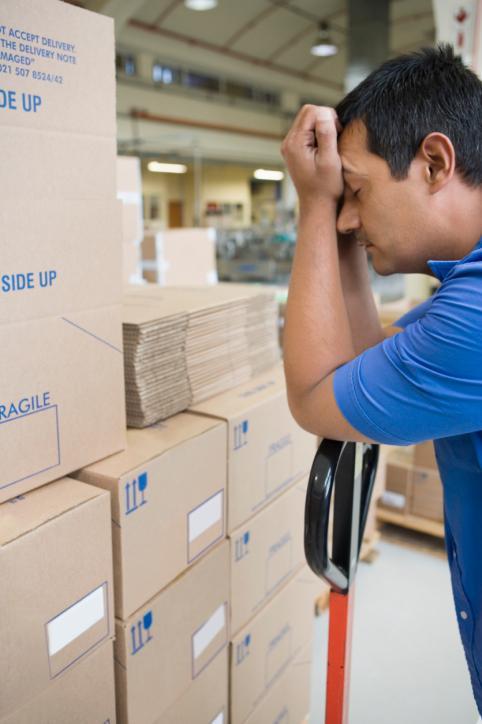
343 473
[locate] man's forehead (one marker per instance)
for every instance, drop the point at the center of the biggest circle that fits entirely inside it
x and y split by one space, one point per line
352 146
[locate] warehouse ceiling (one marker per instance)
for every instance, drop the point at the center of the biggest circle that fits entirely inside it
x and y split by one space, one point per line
263 42
268 35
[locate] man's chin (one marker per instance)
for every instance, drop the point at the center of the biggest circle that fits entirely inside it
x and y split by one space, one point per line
379 264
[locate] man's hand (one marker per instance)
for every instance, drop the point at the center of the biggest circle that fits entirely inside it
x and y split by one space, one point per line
311 155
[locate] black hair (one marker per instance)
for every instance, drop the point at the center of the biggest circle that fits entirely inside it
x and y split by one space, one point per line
410 96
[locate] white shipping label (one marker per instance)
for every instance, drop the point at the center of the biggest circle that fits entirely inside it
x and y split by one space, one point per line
205 516
74 621
208 632
395 500
219 719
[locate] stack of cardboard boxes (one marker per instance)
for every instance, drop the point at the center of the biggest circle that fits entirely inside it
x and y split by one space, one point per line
413 485
206 591
62 400
129 192
60 289
235 466
171 563
272 590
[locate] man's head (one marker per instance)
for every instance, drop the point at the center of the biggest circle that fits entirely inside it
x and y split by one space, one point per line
411 149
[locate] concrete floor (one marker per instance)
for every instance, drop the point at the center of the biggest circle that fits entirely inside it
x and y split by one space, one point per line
408 664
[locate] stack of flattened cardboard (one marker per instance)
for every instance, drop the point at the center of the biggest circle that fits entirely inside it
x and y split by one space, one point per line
155 367
183 345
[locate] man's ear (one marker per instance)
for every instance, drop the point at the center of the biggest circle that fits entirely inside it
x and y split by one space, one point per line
437 155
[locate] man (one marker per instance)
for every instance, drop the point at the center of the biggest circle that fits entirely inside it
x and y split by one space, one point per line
396 171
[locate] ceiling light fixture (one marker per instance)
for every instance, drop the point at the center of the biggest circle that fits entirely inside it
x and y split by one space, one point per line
263 174
200 4
157 167
324 46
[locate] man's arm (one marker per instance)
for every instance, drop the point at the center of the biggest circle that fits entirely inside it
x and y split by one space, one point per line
366 329
318 337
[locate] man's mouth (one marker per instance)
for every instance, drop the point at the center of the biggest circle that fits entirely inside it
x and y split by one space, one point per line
365 243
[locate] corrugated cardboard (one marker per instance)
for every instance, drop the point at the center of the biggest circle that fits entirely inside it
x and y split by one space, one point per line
424 456
206 700
84 694
56 572
289 699
62 401
180 257
265 552
61 336
398 493
79 96
168 492
57 101
427 494
267 450
264 649
172 639
129 191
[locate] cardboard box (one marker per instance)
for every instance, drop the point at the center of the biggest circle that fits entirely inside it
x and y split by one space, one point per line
81 695
168 643
62 403
57 101
267 450
180 257
72 52
131 264
424 456
51 164
264 649
399 471
56 572
206 700
129 191
168 492
288 700
427 495
265 552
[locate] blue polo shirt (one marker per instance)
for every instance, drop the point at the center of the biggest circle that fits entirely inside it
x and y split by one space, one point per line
426 384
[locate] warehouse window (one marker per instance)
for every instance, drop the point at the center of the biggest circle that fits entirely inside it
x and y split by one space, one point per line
165 74
203 82
125 63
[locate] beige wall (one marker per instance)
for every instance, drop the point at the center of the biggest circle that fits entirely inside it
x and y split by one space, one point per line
219 184
167 187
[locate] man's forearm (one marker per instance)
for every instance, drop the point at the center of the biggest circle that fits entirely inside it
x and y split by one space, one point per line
366 330
317 336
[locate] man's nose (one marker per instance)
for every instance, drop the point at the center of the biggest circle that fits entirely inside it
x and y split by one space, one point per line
348 219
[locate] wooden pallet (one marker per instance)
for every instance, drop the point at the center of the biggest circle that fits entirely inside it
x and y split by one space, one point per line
369 551
414 522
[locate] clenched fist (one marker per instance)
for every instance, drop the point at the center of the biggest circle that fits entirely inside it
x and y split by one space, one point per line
311 155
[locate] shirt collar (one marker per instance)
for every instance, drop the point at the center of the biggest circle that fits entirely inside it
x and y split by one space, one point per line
441 268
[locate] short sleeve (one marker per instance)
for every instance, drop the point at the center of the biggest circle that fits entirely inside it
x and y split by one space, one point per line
414 314
426 382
